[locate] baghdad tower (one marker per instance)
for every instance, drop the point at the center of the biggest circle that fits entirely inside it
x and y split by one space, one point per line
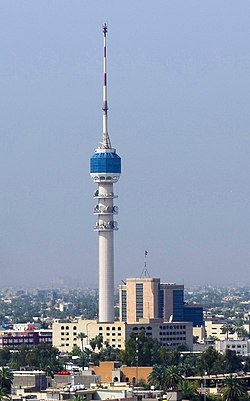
105 170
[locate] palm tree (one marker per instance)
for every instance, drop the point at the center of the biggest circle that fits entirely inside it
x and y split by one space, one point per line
81 336
157 377
6 379
99 341
4 396
227 329
78 397
233 390
93 343
189 390
173 378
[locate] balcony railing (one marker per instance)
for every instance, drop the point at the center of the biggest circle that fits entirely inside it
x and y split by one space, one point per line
106 210
107 195
106 226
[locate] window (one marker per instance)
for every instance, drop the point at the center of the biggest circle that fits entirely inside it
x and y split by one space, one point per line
124 306
139 301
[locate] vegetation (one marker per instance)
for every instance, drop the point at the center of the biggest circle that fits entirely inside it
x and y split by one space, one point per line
140 350
82 336
43 356
233 390
6 379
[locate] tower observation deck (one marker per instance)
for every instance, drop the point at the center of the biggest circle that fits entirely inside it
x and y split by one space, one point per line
105 170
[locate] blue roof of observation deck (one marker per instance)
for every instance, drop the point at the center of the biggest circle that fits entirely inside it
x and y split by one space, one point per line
107 162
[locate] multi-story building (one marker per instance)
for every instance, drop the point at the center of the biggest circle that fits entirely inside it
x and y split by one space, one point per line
169 334
241 346
15 338
147 298
218 329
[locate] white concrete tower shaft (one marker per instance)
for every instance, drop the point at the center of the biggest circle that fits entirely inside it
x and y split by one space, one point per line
105 169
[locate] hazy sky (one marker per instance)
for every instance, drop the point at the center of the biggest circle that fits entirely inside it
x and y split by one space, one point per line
179 99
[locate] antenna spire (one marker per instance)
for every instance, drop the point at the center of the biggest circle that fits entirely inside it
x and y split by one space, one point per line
105 144
145 272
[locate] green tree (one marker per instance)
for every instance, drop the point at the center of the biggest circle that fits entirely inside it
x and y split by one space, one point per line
173 377
189 390
79 397
99 341
228 329
211 362
43 356
81 336
157 377
232 362
141 350
4 356
4 396
189 364
76 351
6 380
93 343
109 354
247 364
19 359
233 390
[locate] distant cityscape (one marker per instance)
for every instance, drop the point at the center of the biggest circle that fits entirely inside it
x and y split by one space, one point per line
146 339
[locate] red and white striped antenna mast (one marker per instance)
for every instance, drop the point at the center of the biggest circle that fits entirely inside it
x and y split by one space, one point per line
106 143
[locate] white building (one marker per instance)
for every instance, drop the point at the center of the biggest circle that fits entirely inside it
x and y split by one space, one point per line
241 347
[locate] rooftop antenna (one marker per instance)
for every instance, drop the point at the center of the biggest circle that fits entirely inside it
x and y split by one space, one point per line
106 143
145 272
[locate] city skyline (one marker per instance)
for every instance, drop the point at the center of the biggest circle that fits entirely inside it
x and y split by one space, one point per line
179 100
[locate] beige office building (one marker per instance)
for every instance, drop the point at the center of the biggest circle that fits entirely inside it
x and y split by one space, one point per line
147 298
169 334
145 304
216 329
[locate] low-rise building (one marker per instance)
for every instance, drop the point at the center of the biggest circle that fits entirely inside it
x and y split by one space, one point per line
14 338
116 372
218 329
241 346
169 334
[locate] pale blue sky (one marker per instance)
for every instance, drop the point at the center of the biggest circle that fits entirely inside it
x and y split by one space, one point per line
179 98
